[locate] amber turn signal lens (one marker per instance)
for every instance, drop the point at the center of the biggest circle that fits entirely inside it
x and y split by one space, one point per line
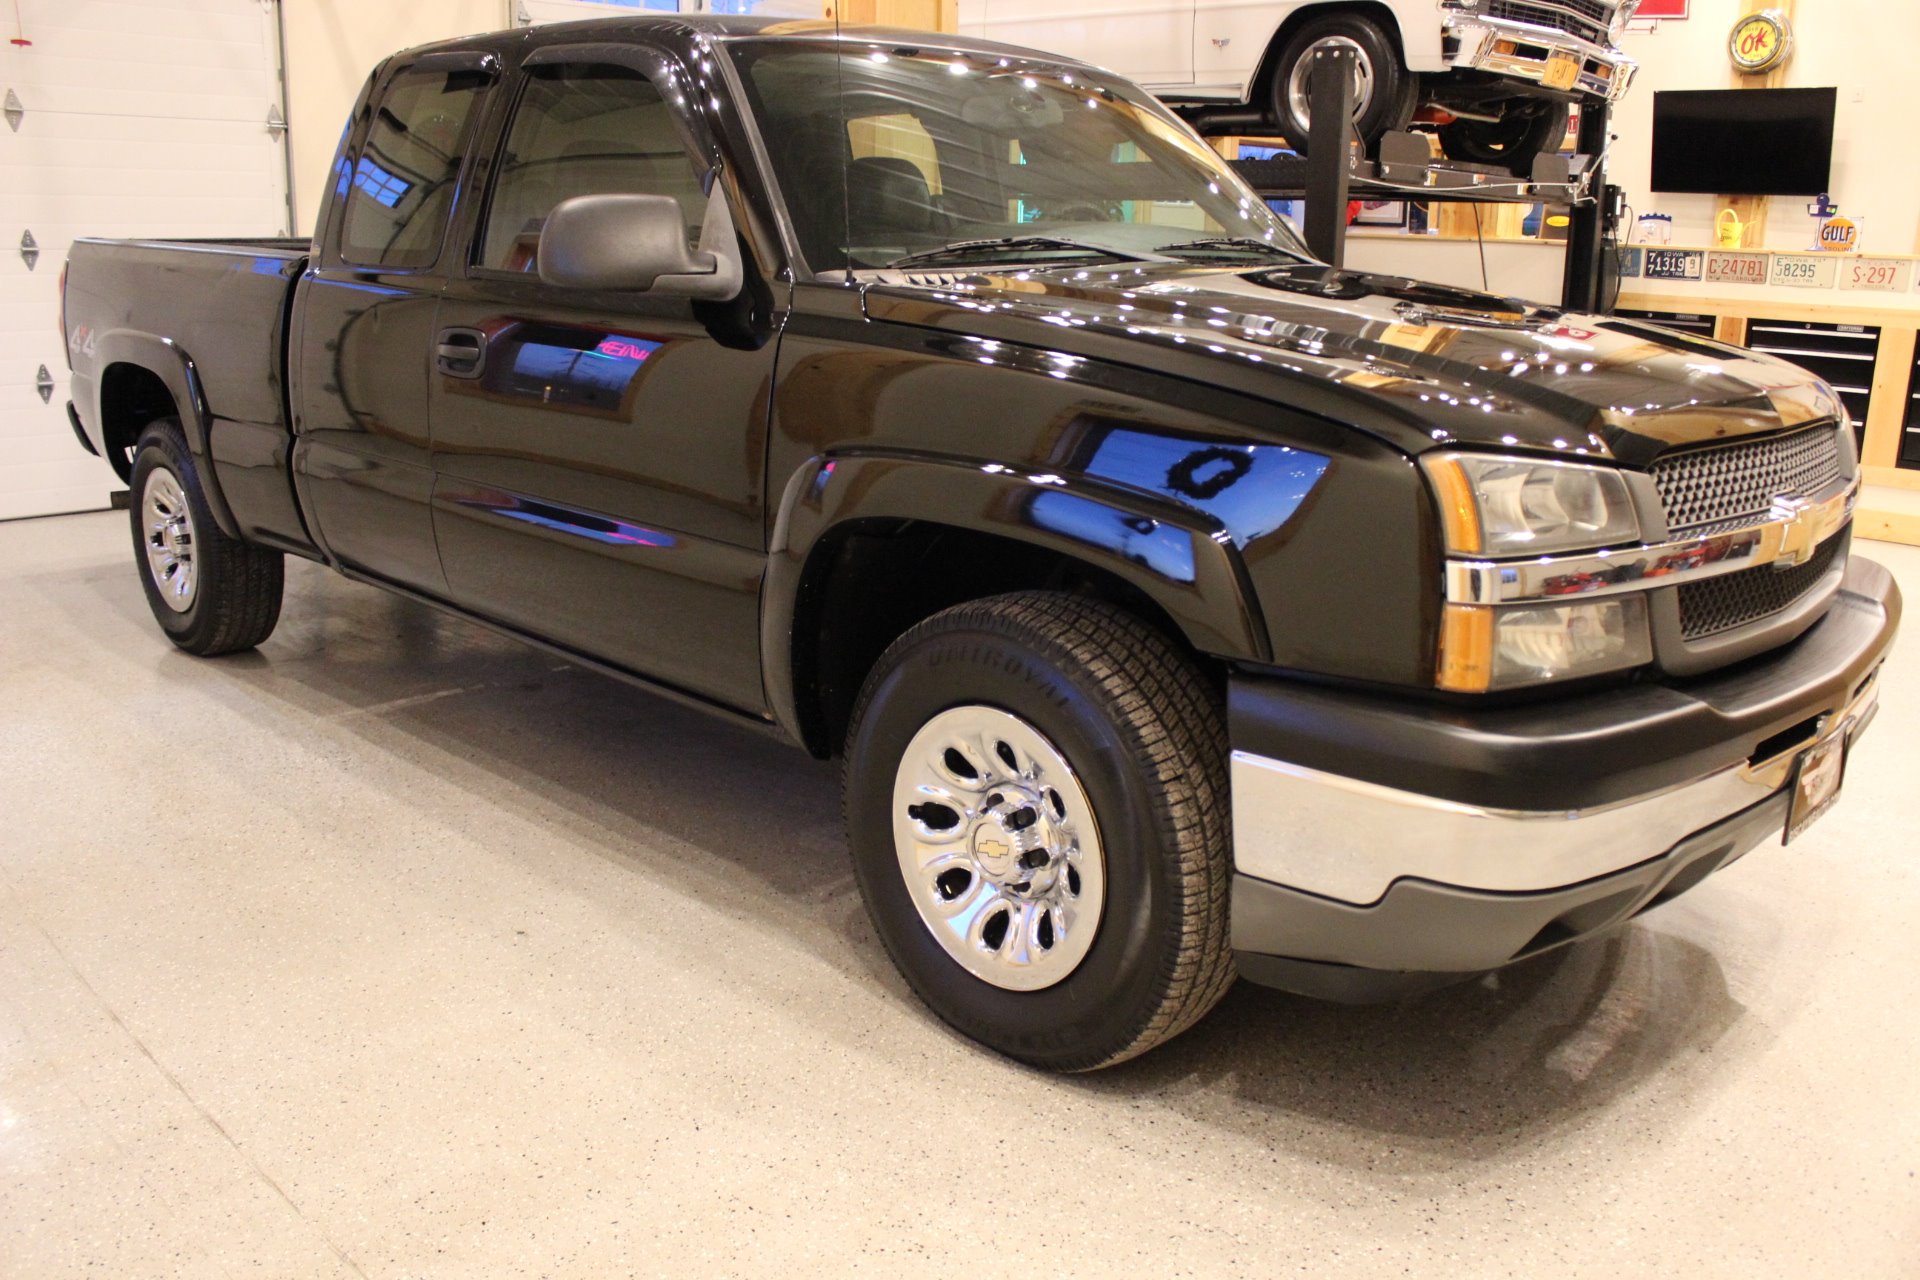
1459 510
1466 649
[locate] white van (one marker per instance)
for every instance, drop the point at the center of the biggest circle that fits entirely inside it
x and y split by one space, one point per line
1496 76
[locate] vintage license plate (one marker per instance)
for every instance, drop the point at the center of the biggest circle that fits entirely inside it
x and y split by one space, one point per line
1737 268
1563 71
1878 275
1803 271
1816 783
1633 261
1674 264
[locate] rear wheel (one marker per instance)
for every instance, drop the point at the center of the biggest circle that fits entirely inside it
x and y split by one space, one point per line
1384 91
1512 142
210 593
1036 793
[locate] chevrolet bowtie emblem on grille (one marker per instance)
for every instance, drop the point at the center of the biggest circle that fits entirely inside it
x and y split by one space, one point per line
1796 532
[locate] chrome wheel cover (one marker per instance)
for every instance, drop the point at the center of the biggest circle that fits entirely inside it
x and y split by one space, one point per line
999 847
1301 77
166 523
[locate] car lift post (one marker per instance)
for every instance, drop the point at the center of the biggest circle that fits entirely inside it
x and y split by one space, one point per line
1329 168
1582 286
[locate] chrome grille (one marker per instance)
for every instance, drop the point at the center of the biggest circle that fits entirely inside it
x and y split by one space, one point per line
1736 484
1587 19
1721 604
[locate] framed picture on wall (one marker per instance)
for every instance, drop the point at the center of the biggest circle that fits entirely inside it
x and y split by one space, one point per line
1382 213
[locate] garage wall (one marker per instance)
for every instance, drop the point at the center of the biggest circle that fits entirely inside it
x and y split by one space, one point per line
332 45
1850 43
139 118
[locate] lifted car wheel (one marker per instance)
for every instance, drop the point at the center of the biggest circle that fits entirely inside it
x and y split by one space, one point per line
1384 91
1512 142
209 593
1036 795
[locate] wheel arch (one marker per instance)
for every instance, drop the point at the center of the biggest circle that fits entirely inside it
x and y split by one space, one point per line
142 378
933 533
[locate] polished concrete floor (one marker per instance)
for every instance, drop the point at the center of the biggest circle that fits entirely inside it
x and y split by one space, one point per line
398 950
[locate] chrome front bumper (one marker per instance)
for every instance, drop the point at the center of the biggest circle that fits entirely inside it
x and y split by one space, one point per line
1350 841
1336 872
1522 51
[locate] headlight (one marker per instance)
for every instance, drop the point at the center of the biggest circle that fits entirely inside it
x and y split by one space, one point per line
1483 649
1493 506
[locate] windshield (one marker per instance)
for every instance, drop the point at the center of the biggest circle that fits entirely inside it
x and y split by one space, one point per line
890 154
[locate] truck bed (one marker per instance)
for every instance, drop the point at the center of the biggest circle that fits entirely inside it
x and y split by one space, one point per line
211 316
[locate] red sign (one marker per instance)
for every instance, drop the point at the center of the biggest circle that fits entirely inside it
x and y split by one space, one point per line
1662 9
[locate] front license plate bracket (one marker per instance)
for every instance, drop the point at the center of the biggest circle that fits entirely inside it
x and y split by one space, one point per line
1816 782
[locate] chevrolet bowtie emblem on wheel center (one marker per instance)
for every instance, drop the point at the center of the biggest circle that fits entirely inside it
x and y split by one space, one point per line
1797 532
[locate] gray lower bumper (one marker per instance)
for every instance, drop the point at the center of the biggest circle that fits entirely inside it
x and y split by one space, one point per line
1378 847
1422 935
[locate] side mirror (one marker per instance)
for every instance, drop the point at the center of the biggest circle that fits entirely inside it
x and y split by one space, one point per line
639 243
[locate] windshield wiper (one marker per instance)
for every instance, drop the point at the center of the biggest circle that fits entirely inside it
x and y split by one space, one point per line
1235 242
965 248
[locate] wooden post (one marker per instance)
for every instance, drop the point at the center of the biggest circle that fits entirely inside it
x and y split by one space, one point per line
916 15
1887 418
1752 210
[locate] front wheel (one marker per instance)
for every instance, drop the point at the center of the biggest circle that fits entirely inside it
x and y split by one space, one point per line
1036 796
210 593
1510 143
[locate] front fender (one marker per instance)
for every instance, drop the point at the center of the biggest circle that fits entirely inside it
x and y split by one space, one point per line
1182 559
168 361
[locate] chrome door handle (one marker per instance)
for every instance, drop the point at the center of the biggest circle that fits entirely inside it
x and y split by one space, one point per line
461 353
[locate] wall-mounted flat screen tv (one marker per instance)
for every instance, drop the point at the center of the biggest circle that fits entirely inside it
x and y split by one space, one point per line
1744 142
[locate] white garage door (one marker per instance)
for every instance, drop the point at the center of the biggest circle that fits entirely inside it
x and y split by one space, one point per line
135 118
535 12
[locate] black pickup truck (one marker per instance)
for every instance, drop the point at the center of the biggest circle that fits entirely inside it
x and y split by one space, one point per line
1181 607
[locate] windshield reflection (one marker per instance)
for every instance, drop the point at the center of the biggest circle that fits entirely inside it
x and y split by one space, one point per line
891 152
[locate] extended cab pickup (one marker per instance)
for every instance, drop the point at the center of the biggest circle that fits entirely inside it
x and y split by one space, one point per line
1180 606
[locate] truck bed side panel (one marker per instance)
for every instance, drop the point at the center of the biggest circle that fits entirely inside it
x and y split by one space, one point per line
210 320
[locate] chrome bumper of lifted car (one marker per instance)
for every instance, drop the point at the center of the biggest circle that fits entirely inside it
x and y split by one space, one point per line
1522 51
1350 841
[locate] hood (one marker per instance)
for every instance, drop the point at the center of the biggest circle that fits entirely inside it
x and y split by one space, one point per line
1422 365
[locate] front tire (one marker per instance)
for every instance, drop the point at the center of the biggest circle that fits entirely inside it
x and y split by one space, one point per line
210 593
1385 91
1036 800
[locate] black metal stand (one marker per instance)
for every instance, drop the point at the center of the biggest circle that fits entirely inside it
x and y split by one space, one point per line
1585 280
1333 172
1329 157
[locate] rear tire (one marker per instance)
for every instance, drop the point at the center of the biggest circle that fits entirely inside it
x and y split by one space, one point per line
1513 143
1048 708
210 593
1388 90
